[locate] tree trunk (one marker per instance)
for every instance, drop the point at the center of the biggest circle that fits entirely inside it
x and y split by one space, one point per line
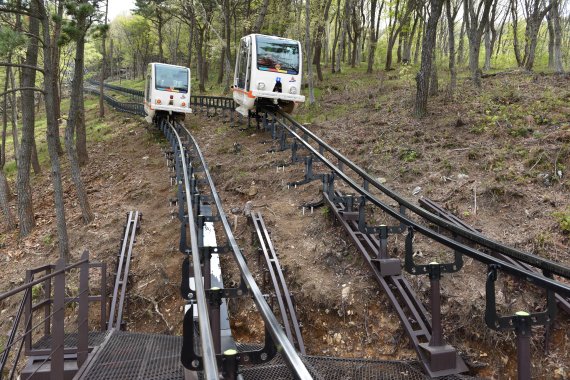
190 43
25 206
228 48
514 13
428 46
461 48
336 38
48 45
308 51
103 65
433 82
160 24
557 31
55 58
341 47
260 17
536 15
9 220
373 41
475 29
419 39
407 49
451 35
14 106
35 159
200 61
5 194
488 51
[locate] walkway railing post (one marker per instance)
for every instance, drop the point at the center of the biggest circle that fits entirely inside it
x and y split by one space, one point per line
83 314
58 328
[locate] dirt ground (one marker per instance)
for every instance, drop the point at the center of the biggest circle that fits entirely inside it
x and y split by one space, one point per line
507 146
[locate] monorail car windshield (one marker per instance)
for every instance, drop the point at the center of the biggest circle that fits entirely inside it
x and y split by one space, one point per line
277 55
167 91
268 71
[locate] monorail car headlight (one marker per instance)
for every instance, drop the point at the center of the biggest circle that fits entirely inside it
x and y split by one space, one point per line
261 86
158 101
293 90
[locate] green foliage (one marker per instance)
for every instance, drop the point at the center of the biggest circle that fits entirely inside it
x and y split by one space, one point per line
37 291
563 218
409 155
11 41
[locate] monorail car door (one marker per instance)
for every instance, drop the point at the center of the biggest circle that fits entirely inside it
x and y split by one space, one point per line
241 91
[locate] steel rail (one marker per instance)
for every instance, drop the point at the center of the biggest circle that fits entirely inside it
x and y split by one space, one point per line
122 275
285 303
563 303
207 341
532 277
544 264
284 346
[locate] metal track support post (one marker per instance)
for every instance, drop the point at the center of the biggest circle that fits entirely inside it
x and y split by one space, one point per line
230 365
215 301
388 266
522 323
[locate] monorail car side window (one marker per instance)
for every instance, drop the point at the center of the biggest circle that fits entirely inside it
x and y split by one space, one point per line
169 78
242 65
277 55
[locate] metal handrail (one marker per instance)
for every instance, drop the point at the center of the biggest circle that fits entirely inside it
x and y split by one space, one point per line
20 288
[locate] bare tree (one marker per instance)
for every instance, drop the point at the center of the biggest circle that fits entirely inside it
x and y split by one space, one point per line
48 46
476 14
76 116
555 33
321 25
374 33
4 188
308 51
103 63
395 25
535 10
428 46
23 188
452 8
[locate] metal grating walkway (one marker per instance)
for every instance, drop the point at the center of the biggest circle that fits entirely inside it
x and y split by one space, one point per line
127 356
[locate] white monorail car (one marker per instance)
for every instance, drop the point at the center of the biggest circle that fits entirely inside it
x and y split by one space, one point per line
166 91
268 69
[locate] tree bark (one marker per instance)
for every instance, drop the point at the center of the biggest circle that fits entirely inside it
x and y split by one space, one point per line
475 26
103 65
461 47
557 31
52 139
319 39
23 189
451 13
308 51
516 48
5 194
55 58
428 46
260 17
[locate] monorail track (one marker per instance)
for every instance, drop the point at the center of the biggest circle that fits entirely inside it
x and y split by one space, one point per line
351 211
